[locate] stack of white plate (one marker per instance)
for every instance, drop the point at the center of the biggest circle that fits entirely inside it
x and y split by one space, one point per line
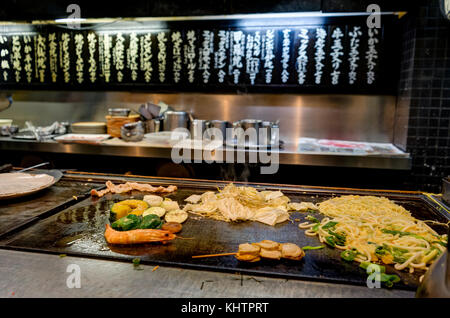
6 122
89 128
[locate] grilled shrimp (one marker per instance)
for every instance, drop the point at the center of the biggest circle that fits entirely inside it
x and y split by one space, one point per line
137 236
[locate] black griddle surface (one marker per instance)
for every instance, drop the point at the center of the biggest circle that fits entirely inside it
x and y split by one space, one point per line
19 211
79 230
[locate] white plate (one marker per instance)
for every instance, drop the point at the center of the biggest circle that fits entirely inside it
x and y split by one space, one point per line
14 185
165 137
82 138
6 122
89 124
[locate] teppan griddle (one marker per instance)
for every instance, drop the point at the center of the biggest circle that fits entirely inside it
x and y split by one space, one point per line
78 230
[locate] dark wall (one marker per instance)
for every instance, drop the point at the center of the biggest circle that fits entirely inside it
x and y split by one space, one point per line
425 88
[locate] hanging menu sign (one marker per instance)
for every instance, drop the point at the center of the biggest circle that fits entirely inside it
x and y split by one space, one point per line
145 57
53 66
162 58
324 56
5 58
92 58
221 61
206 55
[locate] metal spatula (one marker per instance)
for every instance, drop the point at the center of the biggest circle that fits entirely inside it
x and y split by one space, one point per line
33 167
436 282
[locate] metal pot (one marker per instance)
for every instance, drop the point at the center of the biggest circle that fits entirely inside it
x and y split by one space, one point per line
119 112
153 125
175 119
271 134
222 125
246 126
197 128
266 132
133 131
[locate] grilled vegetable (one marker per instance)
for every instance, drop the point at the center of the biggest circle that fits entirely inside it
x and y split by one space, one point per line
132 222
398 254
329 225
381 250
338 238
400 233
306 248
330 241
387 279
151 221
123 208
349 255
136 261
178 216
312 219
159 211
118 211
169 205
129 222
365 265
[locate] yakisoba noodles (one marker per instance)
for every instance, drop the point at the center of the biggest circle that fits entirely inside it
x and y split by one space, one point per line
375 229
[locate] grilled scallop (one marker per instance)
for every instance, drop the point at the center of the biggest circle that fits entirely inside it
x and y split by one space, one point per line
248 257
248 252
247 248
291 251
272 254
153 200
269 245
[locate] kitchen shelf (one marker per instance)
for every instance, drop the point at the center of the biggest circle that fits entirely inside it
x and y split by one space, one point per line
289 155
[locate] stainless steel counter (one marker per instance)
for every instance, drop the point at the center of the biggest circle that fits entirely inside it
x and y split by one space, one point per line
287 156
40 274
24 274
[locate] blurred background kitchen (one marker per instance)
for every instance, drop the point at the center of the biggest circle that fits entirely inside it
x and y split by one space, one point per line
355 104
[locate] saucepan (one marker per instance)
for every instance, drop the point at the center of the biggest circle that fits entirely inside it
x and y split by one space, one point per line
197 128
175 119
221 125
264 132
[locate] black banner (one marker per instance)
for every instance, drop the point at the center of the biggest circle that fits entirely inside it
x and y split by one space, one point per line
333 57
